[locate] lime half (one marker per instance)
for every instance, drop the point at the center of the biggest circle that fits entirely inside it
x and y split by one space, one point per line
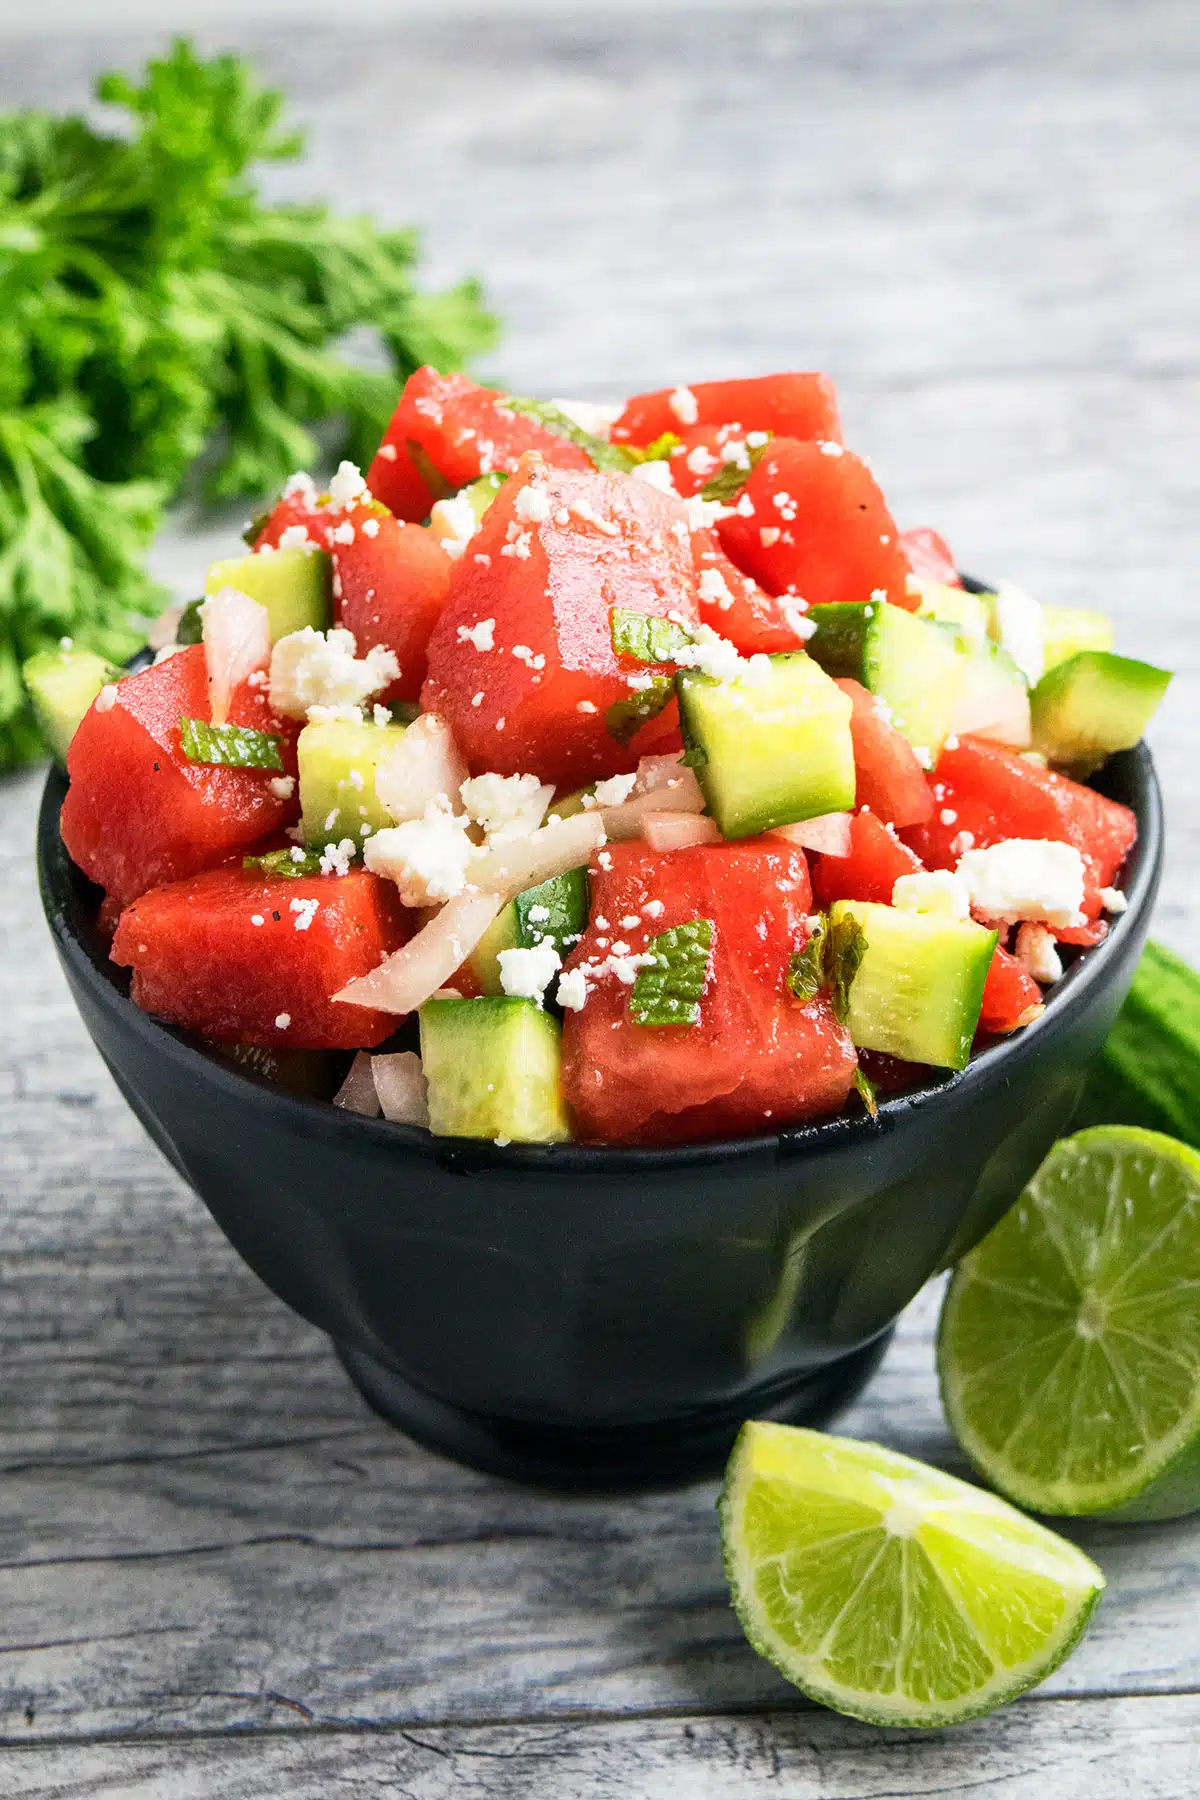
888 1590
1069 1343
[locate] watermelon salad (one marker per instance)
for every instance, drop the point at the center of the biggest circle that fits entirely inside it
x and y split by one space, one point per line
617 774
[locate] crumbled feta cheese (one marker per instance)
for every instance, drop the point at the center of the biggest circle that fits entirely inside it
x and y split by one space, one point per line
714 588
684 404
519 546
257 919
585 706
370 527
336 858
481 636
538 915
745 506
769 535
300 487
879 596
1021 629
295 537
282 786
965 840
106 699
381 715
282 1021
700 461
590 415
932 891
948 816
527 974
427 857
314 668
572 990
701 514
796 622
1026 878
655 474
614 791
387 451
305 911
506 806
829 448
655 908
1038 953
477 699
716 656
630 922
532 503
343 533
455 522
347 485
923 755
1113 900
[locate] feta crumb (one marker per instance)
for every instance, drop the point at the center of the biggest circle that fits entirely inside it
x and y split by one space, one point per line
655 908
347 485
305 911
586 706
715 656
630 922
1026 878
829 448
714 588
313 668
656 475
257 919
1038 953
932 891
684 404
532 503
1021 629
527 974
593 416
700 461
300 487
769 535
282 1021
343 533
481 636
572 992
455 522
702 514
282 786
1113 900
381 715
745 506
923 755
336 858
295 537
613 792
427 857
506 806
106 699
948 816
965 840
387 451
879 596
538 915
477 699
370 527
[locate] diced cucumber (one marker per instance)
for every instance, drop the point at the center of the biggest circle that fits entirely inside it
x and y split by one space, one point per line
1070 629
913 665
493 1070
955 606
1093 704
993 700
564 901
62 685
337 764
918 990
295 586
772 754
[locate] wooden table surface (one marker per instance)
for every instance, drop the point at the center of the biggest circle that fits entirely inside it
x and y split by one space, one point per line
219 1575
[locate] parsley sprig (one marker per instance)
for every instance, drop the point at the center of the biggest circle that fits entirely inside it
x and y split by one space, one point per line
154 312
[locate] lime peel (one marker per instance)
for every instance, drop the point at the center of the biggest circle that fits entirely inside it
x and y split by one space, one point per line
889 1590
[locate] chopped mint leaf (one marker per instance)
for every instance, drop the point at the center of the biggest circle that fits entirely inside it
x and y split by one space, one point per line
625 718
730 480
866 1089
847 947
282 862
645 636
806 974
190 629
603 455
230 746
668 991
254 527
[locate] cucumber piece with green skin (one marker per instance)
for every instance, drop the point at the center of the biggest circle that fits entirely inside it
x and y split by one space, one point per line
337 763
955 606
918 991
1070 629
493 1069
1093 704
62 685
295 586
564 899
1148 1073
770 754
993 700
913 665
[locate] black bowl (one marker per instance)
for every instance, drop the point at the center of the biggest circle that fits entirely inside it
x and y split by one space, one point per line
602 1317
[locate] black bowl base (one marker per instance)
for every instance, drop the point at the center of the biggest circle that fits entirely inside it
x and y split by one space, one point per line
611 1459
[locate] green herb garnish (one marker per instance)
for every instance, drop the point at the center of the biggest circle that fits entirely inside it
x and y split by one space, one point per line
229 746
625 718
645 636
729 481
190 629
668 991
616 458
867 1092
284 862
847 947
659 451
154 307
807 973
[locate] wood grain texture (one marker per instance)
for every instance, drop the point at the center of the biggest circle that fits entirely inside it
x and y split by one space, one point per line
982 220
1071 1750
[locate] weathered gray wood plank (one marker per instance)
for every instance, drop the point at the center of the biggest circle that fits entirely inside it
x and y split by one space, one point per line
982 220
1071 1749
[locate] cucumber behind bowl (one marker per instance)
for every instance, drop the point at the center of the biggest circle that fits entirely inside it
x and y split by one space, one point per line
62 684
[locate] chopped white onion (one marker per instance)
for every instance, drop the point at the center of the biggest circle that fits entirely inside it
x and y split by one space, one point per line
402 1089
828 832
991 704
561 844
663 786
424 765
678 831
237 641
357 1093
409 976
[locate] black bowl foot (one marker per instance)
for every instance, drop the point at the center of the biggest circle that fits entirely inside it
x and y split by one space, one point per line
605 1459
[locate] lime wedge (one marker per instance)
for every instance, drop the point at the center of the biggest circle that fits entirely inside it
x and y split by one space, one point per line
888 1590
1069 1343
